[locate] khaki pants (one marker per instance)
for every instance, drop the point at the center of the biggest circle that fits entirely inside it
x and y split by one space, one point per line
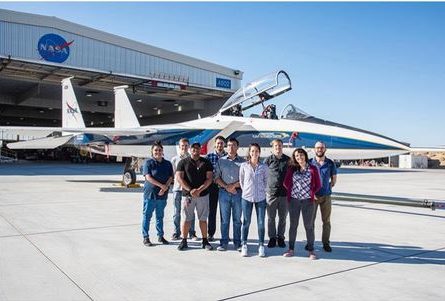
325 208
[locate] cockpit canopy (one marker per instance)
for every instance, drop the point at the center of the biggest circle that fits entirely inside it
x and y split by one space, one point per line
258 91
293 113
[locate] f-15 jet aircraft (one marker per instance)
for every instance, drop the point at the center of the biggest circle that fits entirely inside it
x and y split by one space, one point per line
294 127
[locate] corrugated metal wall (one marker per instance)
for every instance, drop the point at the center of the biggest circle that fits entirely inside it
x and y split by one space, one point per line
21 41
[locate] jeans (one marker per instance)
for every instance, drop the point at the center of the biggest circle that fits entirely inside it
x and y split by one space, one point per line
306 207
230 204
213 208
177 196
260 208
276 204
149 206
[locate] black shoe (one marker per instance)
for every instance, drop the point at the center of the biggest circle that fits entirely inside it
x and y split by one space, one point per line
327 248
206 245
176 237
281 242
162 240
183 245
194 237
272 243
211 238
306 247
147 242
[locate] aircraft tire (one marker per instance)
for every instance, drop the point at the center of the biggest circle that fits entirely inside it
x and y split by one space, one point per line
129 177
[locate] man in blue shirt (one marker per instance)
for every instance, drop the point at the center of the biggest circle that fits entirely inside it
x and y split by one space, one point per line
158 174
328 175
227 178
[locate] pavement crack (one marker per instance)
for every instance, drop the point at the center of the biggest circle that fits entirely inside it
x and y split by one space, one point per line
329 274
47 258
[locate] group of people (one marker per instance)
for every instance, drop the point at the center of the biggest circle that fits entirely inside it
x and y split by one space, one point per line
279 185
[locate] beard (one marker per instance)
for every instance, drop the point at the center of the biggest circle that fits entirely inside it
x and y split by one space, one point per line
320 154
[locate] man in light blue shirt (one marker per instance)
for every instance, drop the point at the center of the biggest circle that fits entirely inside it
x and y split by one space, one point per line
227 178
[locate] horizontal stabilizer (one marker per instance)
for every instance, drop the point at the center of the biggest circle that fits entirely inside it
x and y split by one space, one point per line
427 149
43 143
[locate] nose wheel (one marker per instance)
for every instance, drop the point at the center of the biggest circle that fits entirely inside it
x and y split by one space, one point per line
129 177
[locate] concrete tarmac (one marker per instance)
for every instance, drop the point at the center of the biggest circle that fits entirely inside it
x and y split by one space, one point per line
67 233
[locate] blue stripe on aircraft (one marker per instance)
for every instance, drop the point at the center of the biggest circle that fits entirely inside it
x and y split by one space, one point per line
295 139
169 137
263 138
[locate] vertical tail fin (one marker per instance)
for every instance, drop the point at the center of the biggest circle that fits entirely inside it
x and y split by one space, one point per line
124 116
71 115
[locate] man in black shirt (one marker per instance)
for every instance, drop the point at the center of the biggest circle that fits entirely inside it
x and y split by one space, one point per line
276 194
195 174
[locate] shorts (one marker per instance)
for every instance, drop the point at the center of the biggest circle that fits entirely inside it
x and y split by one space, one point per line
188 205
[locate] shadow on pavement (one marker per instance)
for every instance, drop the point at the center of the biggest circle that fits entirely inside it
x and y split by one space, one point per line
59 169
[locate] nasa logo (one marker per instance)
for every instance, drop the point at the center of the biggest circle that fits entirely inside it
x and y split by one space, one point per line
72 110
54 48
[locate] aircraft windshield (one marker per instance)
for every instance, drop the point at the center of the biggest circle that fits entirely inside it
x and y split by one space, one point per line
293 113
260 90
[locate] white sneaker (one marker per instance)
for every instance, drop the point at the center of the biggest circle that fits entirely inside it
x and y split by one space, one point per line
261 251
221 248
244 251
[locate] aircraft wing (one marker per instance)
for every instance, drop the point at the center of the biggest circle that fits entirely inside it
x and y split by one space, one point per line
111 131
427 149
42 143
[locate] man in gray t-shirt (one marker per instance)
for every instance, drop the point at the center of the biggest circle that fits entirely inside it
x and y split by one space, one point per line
276 194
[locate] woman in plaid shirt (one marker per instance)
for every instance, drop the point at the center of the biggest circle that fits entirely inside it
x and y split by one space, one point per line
302 181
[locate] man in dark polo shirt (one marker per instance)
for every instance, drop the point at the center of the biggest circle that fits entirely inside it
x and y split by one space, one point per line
195 174
276 194
214 156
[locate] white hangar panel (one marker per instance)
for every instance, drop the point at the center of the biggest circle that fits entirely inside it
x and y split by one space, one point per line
37 52
24 36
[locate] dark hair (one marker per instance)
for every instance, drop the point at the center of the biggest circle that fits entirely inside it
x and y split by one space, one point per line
220 138
293 163
233 140
156 143
196 144
250 147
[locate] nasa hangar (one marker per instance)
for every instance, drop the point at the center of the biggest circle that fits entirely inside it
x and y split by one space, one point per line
37 52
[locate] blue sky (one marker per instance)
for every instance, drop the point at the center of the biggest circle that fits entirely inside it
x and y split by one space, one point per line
376 66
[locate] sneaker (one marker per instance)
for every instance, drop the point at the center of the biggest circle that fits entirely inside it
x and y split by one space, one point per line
221 248
289 253
147 242
183 245
211 238
176 236
261 251
312 255
194 237
327 248
272 242
238 248
162 240
281 242
244 251
206 245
